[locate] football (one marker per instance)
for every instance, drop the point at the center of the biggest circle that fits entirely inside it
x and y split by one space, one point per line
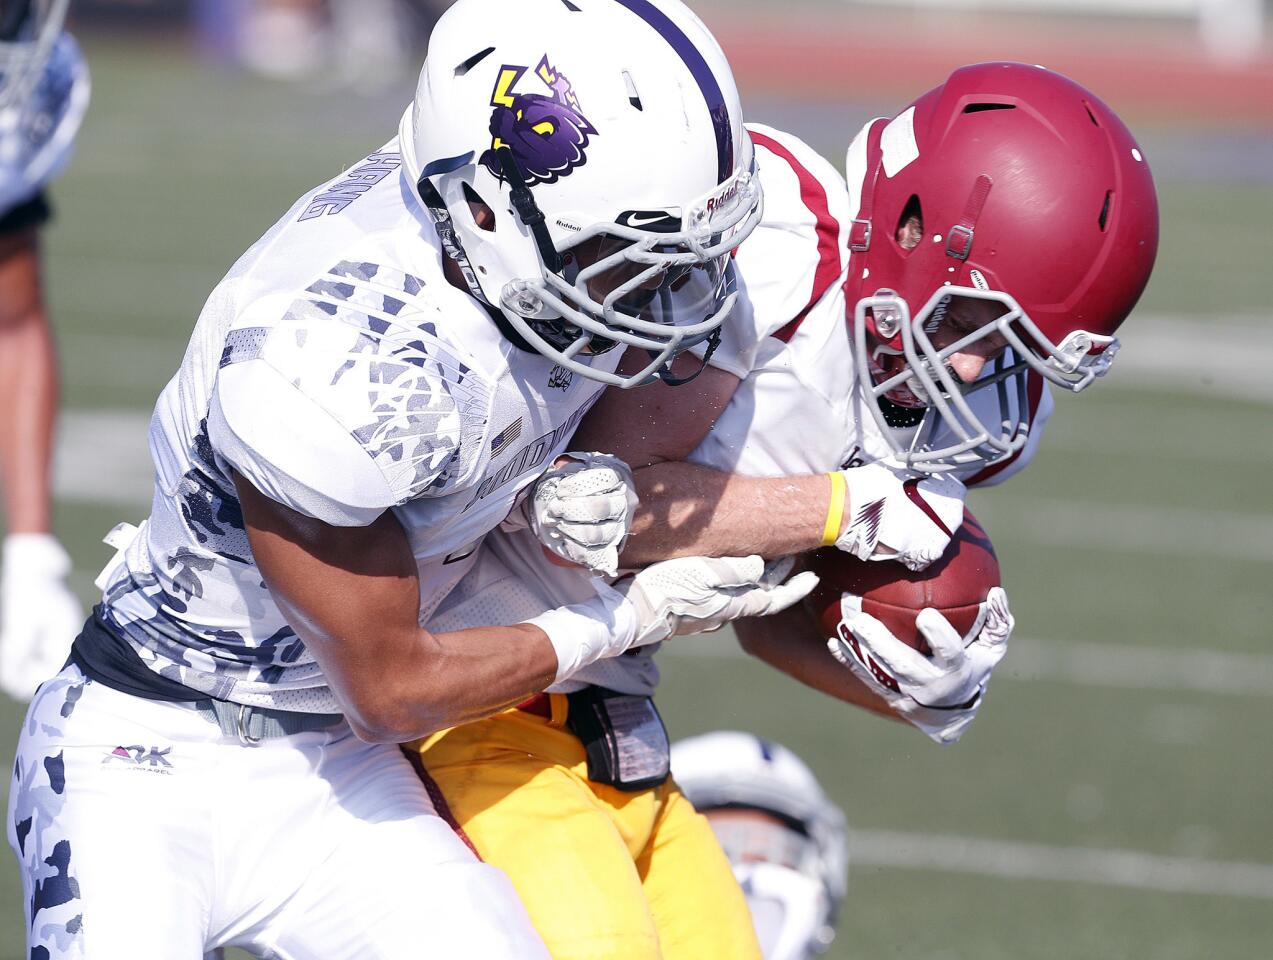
956 585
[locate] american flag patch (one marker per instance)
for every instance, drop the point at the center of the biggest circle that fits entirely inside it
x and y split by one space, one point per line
501 441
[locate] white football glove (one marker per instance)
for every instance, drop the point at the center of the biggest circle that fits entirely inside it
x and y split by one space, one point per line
582 510
700 594
39 616
898 517
940 694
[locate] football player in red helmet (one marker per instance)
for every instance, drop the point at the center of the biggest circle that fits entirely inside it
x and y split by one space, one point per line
1007 225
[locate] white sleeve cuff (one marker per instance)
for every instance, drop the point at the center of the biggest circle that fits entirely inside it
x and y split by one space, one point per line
583 633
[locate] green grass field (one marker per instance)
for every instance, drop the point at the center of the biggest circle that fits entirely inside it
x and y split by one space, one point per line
1118 780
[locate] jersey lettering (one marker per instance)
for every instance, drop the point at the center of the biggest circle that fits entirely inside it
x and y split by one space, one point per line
357 182
528 458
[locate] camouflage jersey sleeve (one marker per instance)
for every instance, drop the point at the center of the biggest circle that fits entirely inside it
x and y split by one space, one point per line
336 413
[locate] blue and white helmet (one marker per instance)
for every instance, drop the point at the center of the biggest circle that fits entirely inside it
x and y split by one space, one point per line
793 870
600 144
44 91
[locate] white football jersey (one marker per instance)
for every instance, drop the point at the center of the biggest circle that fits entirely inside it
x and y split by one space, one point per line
796 410
338 371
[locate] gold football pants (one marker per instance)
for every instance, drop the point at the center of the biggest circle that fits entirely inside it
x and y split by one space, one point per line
605 874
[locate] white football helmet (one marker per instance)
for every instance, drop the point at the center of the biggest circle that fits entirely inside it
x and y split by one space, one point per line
44 90
28 30
587 168
794 865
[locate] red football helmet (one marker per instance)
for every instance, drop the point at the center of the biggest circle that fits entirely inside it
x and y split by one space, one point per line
1019 187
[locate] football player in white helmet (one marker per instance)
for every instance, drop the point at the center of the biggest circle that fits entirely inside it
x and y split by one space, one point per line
785 839
775 452
573 783
44 90
365 396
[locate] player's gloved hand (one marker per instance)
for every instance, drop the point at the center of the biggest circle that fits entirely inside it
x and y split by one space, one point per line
675 597
939 694
699 594
892 516
582 510
39 616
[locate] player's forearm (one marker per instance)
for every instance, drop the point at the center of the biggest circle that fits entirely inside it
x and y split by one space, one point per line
447 679
790 641
28 396
689 510
352 594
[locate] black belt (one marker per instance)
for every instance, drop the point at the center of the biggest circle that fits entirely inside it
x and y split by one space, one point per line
109 659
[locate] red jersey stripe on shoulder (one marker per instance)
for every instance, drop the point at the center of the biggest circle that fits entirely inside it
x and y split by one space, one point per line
814 197
1034 396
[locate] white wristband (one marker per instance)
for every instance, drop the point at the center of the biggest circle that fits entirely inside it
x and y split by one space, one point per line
584 633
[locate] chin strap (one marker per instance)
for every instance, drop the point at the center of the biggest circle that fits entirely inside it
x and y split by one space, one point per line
665 373
527 210
452 249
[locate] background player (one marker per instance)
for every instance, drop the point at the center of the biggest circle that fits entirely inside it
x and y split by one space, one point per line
44 90
786 841
360 403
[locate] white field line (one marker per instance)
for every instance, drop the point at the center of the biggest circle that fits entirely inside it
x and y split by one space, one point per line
1028 861
1118 667
103 456
1134 529
113 445
1140 668
1163 353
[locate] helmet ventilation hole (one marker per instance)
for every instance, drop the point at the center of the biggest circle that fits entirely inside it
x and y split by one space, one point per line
473 61
910 225
983 107
1091 116
570 6
483 215
633 97
1104 217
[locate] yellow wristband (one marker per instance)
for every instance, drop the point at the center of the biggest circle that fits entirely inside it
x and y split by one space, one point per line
835 510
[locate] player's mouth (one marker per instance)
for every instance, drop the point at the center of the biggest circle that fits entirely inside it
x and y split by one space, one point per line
886 364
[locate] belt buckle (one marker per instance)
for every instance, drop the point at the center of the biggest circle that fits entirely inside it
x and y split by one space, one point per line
242 719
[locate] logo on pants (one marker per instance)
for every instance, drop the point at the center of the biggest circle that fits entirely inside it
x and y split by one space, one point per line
138 757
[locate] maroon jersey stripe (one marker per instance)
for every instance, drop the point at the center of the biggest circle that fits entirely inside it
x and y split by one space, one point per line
814 196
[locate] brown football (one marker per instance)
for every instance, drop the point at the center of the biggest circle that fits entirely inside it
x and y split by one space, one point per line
956 585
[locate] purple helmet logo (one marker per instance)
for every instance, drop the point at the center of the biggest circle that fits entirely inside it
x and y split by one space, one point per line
547 134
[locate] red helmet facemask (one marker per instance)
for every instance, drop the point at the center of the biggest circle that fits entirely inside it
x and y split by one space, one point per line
1032 195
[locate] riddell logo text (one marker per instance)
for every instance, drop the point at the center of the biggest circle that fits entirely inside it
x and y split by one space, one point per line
715 203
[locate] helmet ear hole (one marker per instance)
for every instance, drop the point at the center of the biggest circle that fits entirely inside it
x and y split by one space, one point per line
483 215
910 225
